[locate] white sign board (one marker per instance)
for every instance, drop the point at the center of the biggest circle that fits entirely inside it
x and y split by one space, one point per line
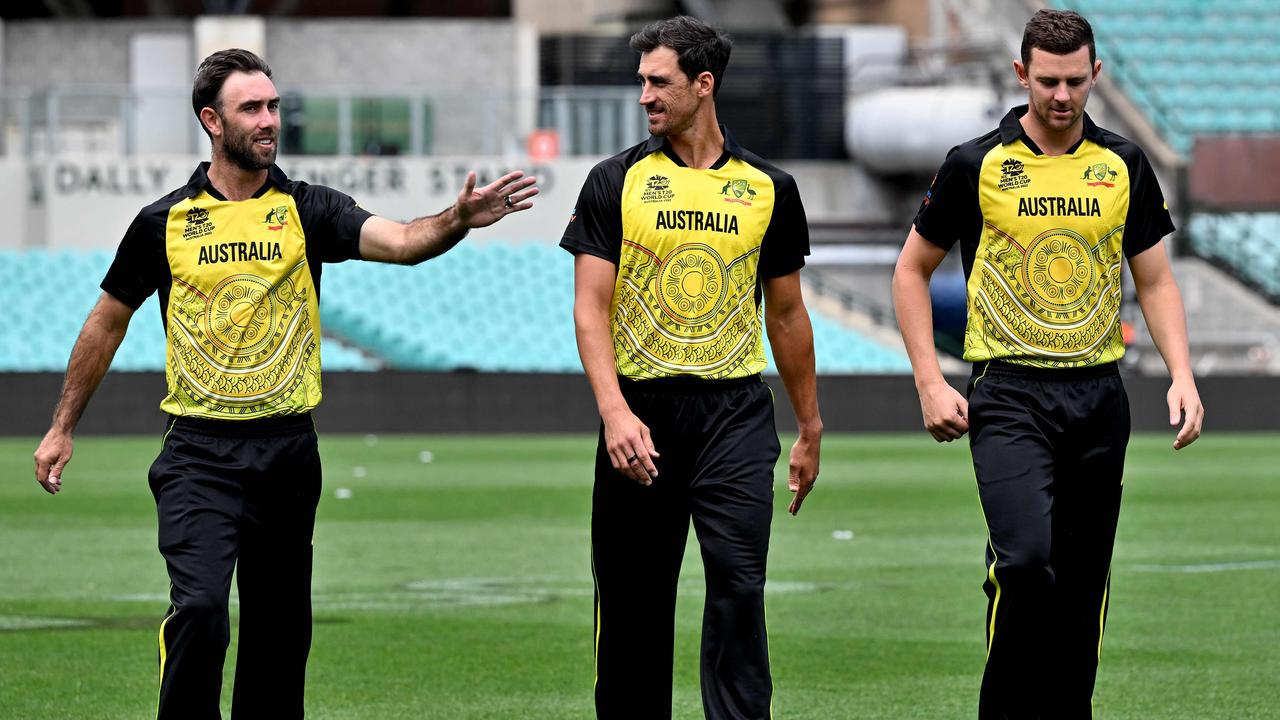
90 202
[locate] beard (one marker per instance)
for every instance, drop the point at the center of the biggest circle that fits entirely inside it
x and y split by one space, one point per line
246 154
670 126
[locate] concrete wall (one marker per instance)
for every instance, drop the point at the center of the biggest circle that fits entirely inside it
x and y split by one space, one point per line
71 53
127 403
478 72
480 75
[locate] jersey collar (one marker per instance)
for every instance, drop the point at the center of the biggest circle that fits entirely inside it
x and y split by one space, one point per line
200 182
1011 129
731 149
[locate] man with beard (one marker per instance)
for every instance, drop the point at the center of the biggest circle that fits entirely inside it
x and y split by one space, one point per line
677 242
235 255
1044 208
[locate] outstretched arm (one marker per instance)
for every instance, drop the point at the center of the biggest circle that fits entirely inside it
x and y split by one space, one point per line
410 243
791 336
99 338
945 410
1161 304
627 439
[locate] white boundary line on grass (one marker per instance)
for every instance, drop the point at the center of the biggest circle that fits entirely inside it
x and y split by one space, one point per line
23 622
456 592
1210 567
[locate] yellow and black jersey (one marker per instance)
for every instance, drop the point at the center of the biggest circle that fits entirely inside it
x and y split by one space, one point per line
239 286
1041 238
691 247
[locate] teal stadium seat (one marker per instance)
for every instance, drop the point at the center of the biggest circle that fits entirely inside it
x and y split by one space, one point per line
48 295
490 308
1247 244
1196 67
502 307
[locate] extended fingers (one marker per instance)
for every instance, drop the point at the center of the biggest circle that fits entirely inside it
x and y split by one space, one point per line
500 185
469 185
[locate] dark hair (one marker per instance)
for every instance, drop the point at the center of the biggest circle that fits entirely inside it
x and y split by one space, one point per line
699 46
213 72
1060 32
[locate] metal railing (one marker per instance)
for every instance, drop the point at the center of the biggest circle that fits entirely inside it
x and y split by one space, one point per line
42 123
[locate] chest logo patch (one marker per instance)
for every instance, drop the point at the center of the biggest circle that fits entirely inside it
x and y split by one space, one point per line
738 188
657 189
277 218
1013 175
198 224
1099 174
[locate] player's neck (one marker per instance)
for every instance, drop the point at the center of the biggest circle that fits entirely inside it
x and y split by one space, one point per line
1052 142
233 181
702 144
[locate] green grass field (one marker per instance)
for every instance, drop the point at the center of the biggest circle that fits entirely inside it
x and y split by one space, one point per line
460 587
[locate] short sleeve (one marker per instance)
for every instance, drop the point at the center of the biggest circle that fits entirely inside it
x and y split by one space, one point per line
595 226
331 221
1148 219
950 209
786 242
140 266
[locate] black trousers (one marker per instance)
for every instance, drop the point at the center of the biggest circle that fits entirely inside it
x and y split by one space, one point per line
1048 452
236 495
718 447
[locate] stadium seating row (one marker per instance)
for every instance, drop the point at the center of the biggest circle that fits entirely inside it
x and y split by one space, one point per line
1174 8
1195 67
1247 243
47 296
490 308
505 307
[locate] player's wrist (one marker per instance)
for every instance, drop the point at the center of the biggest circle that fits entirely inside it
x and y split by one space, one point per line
928 384
614 409
809 428
454 219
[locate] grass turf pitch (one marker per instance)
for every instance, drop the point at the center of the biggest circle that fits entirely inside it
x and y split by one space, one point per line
460 587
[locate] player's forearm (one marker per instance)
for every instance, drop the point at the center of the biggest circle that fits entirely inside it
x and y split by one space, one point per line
915 321
595 348
90 358
791 336
432 236
1167 321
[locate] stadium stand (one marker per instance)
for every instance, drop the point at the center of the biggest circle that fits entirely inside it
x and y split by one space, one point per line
490 308
506 308
1195 67
1248 244
48 294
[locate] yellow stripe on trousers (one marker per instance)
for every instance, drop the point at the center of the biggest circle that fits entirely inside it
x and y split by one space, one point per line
163 654
595 667
995 604
1102 613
